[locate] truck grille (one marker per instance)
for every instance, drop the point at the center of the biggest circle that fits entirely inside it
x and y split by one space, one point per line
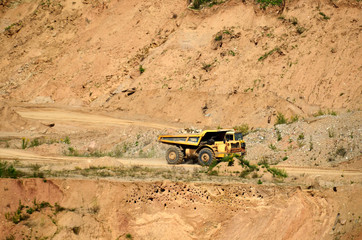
235 145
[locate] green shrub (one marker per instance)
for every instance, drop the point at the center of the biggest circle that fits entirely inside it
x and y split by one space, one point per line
245 173
280 119
278 172
301 136
325 17
218 38
272 147
319 113
213 164
294 21
213 173
331 112
265 3
141 69
331 133
24 143
58 208
294 118
129 236
66 140
35 142
246 164
301 29
243 128
8 171
341 151
18 215
232 53
267 54
229 159
197 4
264 163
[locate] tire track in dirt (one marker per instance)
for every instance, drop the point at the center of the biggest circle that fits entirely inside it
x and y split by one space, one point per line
28 157
61 115
32 158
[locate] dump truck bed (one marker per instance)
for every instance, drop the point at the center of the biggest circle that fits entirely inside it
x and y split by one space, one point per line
189 139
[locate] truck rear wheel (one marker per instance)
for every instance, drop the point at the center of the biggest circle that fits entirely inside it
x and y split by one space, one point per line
174 155
206 157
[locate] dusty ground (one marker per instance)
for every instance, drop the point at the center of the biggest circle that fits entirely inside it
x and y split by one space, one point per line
103 197
87 86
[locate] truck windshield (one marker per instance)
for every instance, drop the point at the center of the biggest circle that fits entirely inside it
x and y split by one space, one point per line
238 136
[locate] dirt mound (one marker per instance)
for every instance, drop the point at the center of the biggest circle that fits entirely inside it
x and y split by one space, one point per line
76 209
325 140
11 121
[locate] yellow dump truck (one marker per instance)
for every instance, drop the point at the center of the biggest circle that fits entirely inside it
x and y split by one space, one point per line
206 146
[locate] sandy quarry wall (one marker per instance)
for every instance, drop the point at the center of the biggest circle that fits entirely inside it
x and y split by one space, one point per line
233 59
158 210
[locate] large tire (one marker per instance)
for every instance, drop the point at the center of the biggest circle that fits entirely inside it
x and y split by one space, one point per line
174 155
206 157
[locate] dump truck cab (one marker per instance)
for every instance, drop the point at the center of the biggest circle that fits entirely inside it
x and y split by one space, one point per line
205 146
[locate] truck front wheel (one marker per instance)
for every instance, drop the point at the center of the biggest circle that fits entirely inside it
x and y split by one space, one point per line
206 157
174 155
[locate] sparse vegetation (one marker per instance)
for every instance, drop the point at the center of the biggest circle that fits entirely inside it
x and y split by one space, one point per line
141 69
232 53
325 17
207 67
265 3
280 119
24 211
66 140
331 133
294 118
301 29
198 4
301 136
34 143
321 113
300 143
8 171
27 143
281 173
341 151
24 143
293 21
9 27
267 54
129 236
243 128
272 147
18 215
218 38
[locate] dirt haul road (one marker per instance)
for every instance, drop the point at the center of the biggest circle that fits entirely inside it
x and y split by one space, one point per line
72 116
311 207
32 158
77 118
